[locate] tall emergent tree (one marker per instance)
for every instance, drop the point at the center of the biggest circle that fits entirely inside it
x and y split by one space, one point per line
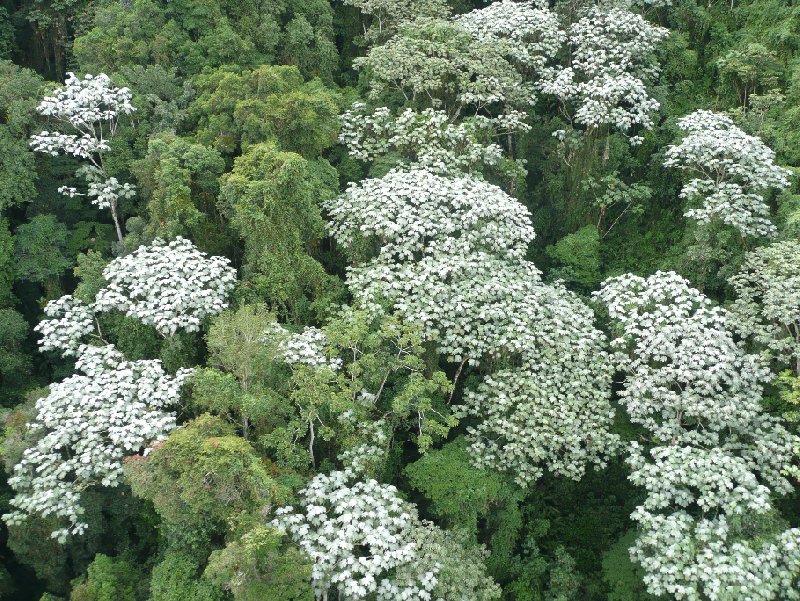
89 110
711 460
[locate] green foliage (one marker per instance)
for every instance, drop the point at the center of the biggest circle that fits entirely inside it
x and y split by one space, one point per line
577 257
177 578
15 362
271 199
458 493
259 565
198 478
192 36
623 578
178 179
269 104
107 579
40 252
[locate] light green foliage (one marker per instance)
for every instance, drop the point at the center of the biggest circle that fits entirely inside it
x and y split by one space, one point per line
748 70
271 103
236 345
620 574
89 272
271 199
177 578
39 252
383 378
577 257
108 579
198 478
178 178
261 564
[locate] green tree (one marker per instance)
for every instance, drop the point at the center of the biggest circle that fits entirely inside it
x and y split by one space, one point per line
271 199
261 564
269 104
39 252
201 476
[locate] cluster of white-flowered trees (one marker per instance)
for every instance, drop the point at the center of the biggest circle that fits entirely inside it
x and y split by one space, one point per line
712 459
469 82
86 115
87 423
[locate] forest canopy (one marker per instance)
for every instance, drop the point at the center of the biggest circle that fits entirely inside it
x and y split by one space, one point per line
384 300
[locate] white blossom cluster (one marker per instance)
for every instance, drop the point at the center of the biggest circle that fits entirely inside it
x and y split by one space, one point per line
90 108
87 424
83 103
767 305
448 253
358 534
733 170
69 321
438 63
404 212
303 348
529 33
714 457
169 285
612 58
426 139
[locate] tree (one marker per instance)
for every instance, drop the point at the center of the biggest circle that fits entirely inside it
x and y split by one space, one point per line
339 516
529 33
383 18
731 170
767 305
362 368
194 37
713 458
271 198
262 564
235 110
180 181
448 254
427 139
612 57
437 64
86 425
39 251
169 285
198 479
90 109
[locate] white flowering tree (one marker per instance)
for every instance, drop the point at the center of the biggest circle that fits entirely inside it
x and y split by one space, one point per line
169 285
87 113
528 32
613 58
366 542
767 305
710 459
448 254
113 407
730 172
86 425
429 139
